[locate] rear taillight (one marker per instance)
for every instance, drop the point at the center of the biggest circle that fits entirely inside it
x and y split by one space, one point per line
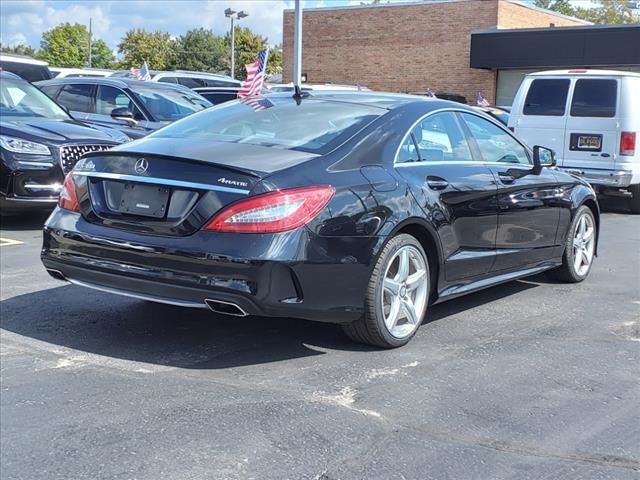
68 197
273 212
628 144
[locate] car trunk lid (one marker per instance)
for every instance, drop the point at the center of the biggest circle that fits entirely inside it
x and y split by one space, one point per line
161 194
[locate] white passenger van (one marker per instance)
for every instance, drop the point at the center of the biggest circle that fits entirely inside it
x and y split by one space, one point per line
591 119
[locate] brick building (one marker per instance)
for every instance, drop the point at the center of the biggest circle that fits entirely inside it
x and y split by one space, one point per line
407 47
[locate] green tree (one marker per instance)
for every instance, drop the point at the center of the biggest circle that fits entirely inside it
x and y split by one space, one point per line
602 12
274 63
201 50
20 49
101 54
248 45
67 45
156 48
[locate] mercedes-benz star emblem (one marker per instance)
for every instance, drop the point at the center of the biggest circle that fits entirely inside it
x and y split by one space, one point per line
141 166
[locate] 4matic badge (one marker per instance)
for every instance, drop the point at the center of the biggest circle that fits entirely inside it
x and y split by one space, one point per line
235 183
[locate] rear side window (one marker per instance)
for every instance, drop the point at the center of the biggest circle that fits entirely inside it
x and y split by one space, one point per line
595 98
219 97
168 80
547 97
76 98
440 138
190 82
218 83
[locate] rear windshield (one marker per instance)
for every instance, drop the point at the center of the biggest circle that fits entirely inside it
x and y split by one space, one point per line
595 98
315 126
547 97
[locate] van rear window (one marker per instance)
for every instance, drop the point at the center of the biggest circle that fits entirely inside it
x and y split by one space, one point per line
595 98
547 97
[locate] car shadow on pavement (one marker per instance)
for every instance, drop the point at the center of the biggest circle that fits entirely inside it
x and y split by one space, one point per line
26 221
611 204
129 329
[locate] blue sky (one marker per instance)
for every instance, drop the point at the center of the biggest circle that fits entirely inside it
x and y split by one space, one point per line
23 21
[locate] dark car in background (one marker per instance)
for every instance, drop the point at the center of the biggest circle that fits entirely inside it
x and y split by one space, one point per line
135 107
39 143
353 208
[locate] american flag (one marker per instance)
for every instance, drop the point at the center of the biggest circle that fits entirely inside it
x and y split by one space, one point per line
255 75
481 101
257 103
141 73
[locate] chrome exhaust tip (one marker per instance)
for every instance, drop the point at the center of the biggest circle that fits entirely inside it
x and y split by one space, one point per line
57 274
225 308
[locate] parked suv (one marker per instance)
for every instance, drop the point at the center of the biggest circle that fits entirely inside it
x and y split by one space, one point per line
592 121
39 143
132 106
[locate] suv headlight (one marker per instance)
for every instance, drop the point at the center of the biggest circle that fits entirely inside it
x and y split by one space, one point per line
20 145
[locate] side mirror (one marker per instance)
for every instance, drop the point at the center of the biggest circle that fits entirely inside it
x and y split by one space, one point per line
123 113
543 157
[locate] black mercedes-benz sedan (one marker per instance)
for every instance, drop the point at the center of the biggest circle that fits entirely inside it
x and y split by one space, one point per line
39 144
354 208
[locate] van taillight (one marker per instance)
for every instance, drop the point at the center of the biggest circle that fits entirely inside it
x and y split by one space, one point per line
628 144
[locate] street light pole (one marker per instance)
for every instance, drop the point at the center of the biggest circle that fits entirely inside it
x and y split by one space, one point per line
233 50
90 35
233 15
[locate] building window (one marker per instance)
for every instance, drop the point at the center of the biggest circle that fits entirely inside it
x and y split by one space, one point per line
547 97
595 98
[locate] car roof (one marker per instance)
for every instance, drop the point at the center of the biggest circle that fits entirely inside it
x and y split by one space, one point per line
10 57
112 81
216 89
585 72
386 100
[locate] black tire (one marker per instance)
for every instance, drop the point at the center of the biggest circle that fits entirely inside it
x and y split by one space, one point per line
370 329
567 272
634 201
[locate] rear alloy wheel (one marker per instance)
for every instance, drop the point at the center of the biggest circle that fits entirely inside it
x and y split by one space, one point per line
397 296
580 248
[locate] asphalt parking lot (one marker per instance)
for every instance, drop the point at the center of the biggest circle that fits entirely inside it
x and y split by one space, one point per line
529 380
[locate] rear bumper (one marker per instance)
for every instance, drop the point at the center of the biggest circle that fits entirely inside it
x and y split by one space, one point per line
602 177
294 274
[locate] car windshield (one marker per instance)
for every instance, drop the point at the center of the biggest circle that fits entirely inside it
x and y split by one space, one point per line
169 104
21 99
316 126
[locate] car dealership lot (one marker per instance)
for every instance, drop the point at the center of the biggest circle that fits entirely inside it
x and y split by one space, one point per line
531 379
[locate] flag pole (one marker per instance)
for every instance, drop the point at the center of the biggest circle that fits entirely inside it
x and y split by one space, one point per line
297 48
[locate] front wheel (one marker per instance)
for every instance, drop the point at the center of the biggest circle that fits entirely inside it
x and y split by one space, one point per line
580 247
397 295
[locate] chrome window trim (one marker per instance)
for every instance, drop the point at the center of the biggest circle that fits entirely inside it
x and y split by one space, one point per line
160 181
453 162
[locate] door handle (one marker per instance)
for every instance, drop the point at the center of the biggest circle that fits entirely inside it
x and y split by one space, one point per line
506 178
437 183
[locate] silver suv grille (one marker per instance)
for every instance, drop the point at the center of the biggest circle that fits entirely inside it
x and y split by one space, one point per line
70 154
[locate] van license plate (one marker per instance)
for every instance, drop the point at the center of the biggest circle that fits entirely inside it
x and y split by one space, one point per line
589 142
